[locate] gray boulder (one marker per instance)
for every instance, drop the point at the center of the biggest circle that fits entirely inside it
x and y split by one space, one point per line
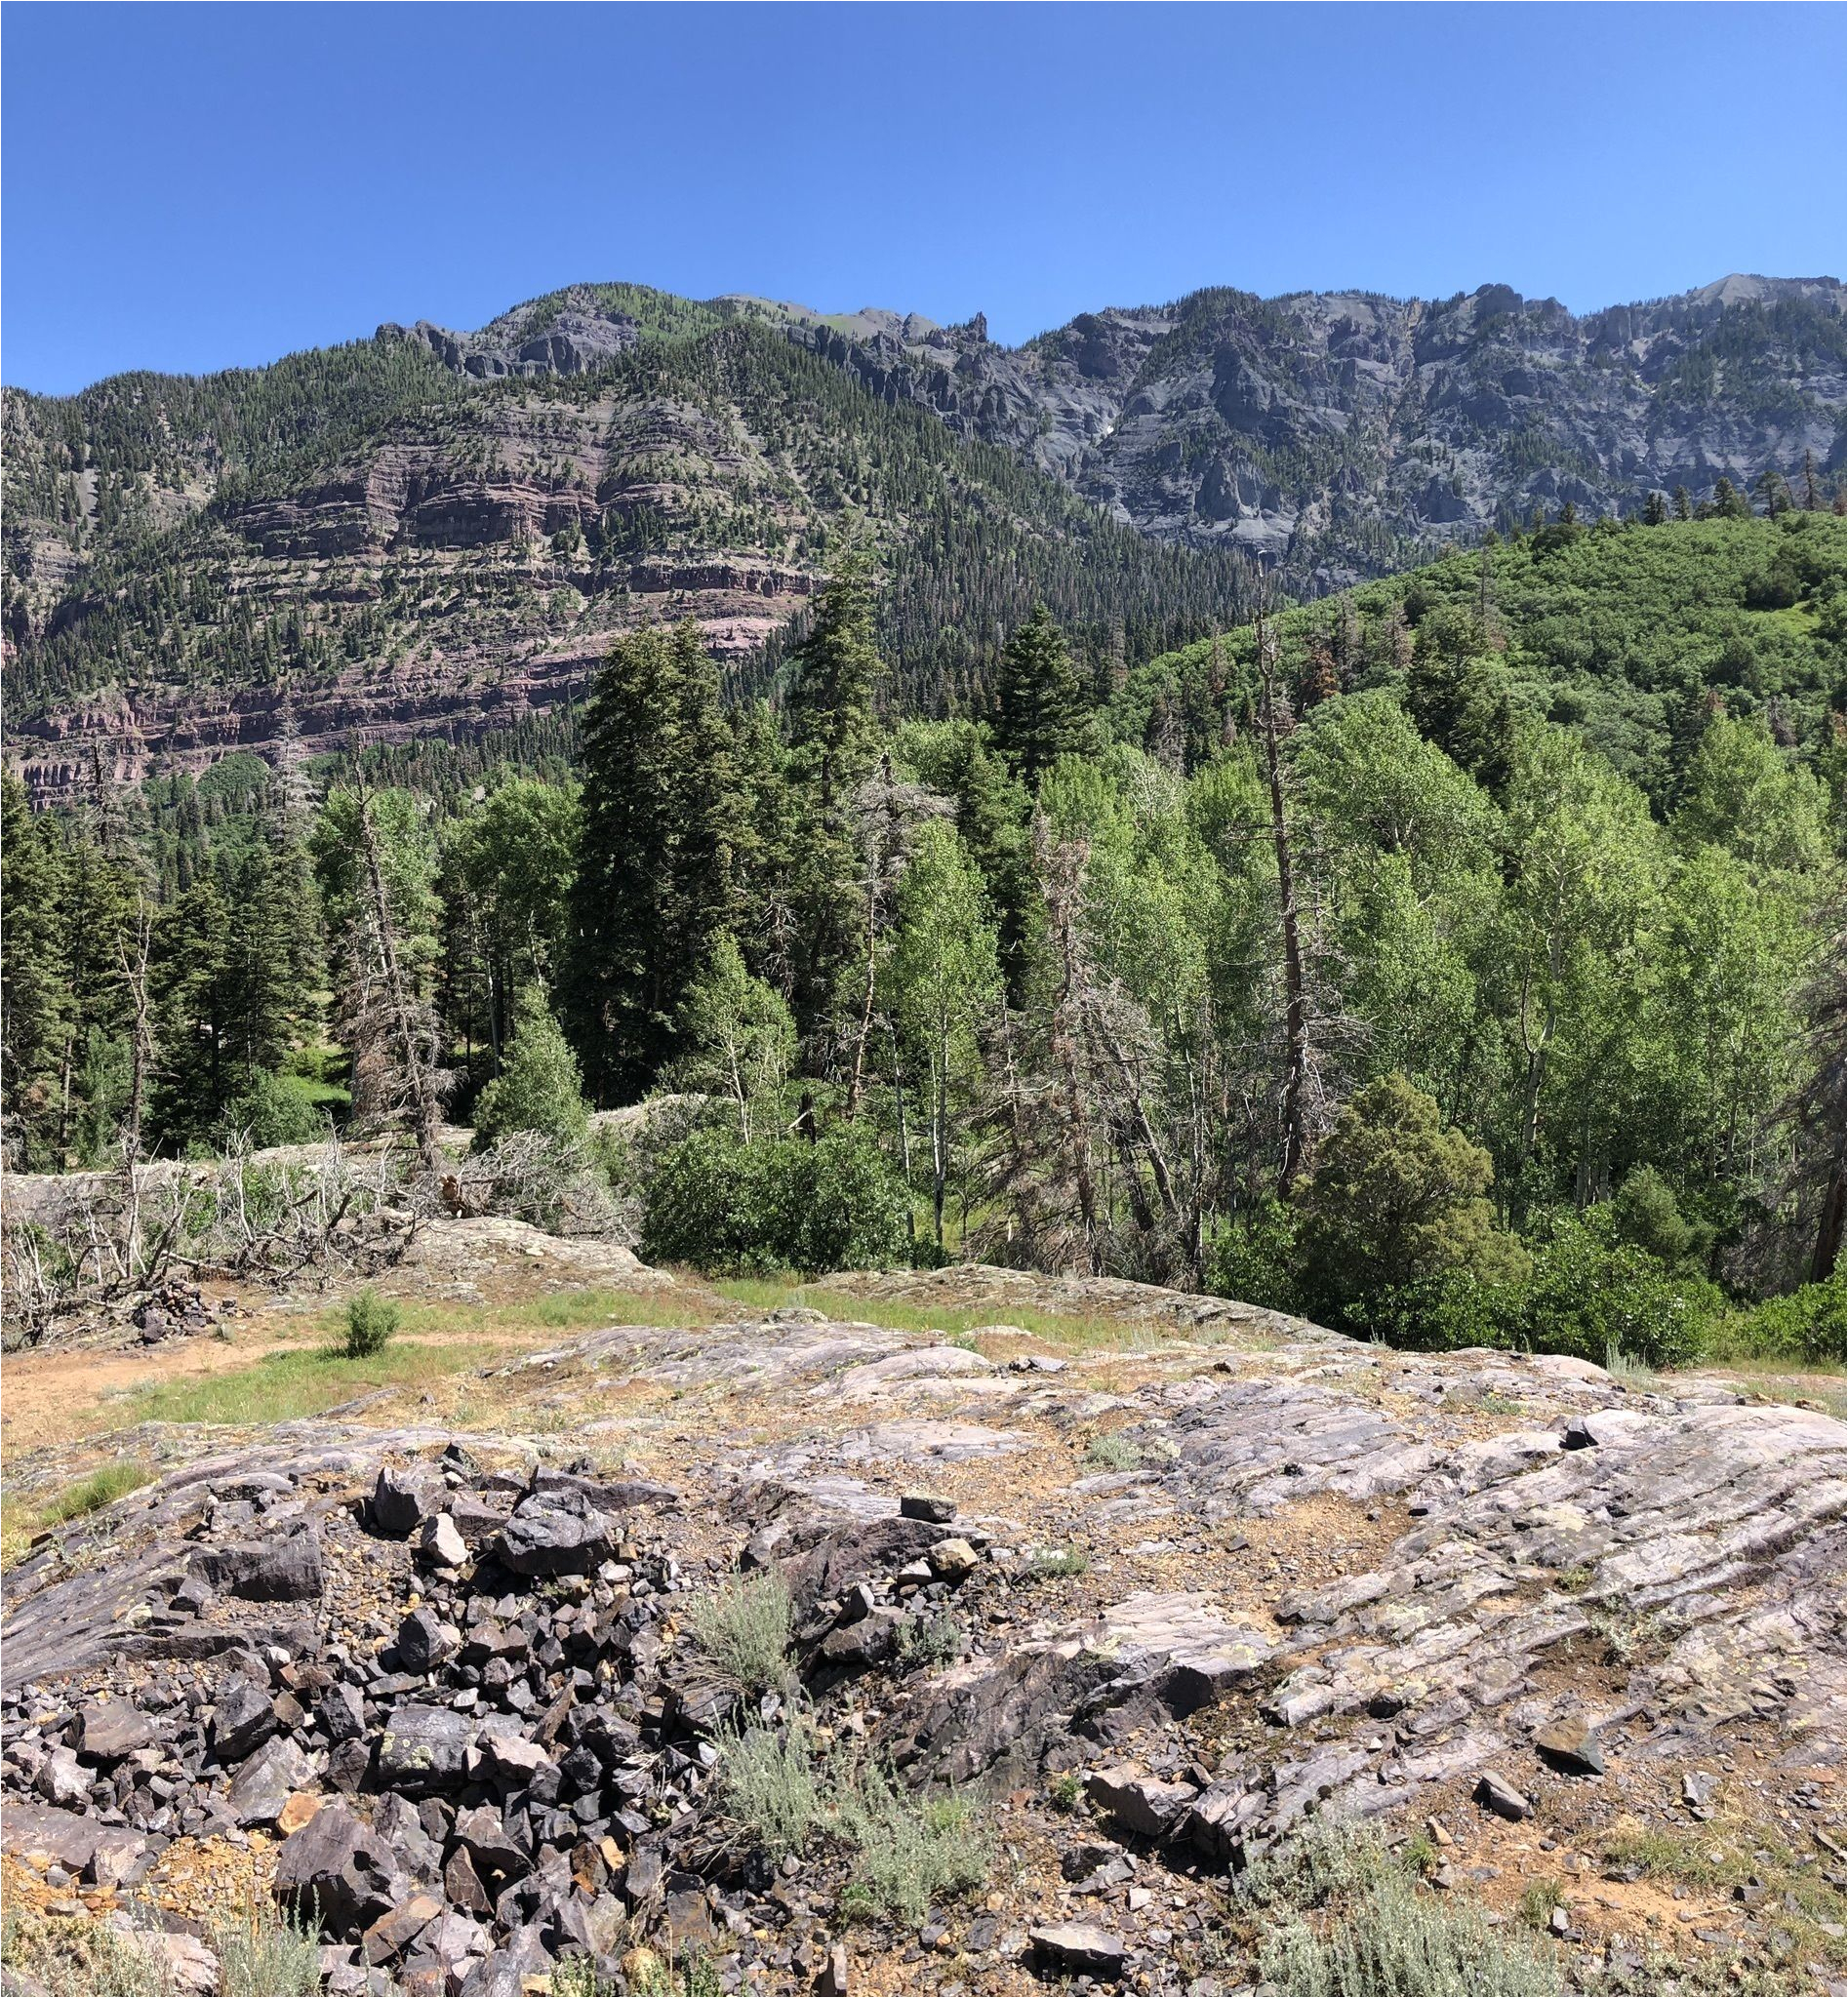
404 1498
336 1870
423 1749
559 1533
267 1780
245 1719
285 1570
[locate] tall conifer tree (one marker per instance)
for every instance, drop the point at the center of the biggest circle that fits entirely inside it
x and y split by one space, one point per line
654 863
1041 711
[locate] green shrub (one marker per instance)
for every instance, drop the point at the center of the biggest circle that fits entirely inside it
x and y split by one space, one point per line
1448 1313
270 1110
1644 1213
745 1628
370 1320
1252 1256
1587 1296
745 1210
1805 1326
1591 1294
1397 1199
540 1087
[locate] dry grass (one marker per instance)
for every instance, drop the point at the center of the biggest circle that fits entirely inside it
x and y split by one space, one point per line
1079 1334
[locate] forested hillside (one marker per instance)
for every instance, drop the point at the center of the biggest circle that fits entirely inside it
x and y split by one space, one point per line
387 547
433 537
1457 959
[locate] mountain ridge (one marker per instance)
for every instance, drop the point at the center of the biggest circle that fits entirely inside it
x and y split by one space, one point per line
439 530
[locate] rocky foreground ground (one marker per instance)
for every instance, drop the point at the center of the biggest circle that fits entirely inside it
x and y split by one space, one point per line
1140 1600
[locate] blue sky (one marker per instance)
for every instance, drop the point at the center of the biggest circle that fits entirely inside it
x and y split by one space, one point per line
193 187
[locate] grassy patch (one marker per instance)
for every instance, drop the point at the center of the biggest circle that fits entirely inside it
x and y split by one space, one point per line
555 1311
1631 1372
286 1386
908 1852
1539 1899
1781 1380
1732 1851
745 1629
103 1487
21 1519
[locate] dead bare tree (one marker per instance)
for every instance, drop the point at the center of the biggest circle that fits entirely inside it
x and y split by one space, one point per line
92 1244
1275 722
887 813
386 1020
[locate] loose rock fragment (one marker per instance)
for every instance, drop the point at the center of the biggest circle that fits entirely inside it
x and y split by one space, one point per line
1081 1948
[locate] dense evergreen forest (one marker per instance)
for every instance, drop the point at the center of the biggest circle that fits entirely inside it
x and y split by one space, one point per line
1457 960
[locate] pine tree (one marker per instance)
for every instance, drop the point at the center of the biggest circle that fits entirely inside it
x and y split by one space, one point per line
836 672
1775 491
36 1003
1041 713
1655 509
654 862
192 999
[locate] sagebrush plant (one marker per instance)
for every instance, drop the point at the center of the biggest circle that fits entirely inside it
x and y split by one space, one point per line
1345 1919
909 1851
261 1950
770 1787
371 1321
928 1642
77 1958
745 1628
1114 1451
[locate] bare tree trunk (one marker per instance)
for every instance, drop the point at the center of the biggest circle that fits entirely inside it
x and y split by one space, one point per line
134 964
1061 880
904 1130
865 1034
939 1137
425 1120
1295 1015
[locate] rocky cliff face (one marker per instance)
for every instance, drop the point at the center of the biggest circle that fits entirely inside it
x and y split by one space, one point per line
431 532
1338 434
